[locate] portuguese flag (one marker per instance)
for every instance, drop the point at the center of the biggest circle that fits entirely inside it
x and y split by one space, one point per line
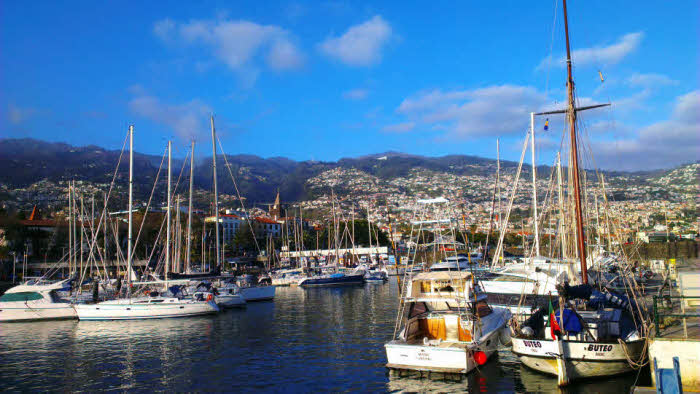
553 325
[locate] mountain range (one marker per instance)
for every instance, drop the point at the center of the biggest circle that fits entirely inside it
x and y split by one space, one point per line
26 161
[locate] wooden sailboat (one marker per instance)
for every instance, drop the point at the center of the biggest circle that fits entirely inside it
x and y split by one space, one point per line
603 338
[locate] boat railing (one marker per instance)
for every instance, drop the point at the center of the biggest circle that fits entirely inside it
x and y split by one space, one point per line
665 307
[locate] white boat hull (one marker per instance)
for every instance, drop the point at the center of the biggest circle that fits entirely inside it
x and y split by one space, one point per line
125 310
293 281
455 358
258 293
36 311
230 301
582 359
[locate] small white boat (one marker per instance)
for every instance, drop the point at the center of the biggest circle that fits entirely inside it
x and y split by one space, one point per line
252 289
288 277
445 325
35 302
226 294
157 307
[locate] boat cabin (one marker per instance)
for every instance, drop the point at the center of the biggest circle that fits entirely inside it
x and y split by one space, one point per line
443 306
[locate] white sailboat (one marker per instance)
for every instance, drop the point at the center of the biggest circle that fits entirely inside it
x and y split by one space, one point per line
27 302
154 307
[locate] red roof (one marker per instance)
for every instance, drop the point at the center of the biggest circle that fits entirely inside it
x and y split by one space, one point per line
266 220
38 223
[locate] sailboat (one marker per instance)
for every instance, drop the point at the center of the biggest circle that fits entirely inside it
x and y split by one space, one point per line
156 305
573 340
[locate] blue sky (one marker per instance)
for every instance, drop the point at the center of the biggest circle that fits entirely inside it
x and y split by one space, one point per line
325 80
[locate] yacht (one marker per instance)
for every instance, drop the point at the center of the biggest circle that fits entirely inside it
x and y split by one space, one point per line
354 277
226 294
35 302
287 277
445 325
256 289
519 286
459 262
154 306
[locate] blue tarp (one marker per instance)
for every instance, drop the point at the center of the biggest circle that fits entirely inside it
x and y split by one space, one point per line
571 323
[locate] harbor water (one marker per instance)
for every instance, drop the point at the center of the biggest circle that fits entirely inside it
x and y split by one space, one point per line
307 340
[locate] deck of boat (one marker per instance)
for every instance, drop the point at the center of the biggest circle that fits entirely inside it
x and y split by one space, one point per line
442 345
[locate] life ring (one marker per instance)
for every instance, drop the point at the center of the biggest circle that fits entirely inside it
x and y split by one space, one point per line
210 297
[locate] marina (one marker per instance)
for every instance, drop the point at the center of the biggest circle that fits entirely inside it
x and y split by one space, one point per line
321 339
388 272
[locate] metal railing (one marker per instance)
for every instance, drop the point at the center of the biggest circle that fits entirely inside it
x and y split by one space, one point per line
668 312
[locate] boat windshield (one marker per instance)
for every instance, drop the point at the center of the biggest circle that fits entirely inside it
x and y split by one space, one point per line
21 296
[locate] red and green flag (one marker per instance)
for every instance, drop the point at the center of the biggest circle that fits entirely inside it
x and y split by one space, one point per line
553 324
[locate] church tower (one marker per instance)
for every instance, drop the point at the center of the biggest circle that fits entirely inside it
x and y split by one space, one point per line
276 210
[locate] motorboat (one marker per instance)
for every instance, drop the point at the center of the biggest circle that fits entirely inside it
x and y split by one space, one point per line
38 301
287 277
256 289
226 293
520 286
354 277
445 325
459 262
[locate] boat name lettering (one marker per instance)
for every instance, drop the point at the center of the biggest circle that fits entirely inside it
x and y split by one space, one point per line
532 343
599 348
423 355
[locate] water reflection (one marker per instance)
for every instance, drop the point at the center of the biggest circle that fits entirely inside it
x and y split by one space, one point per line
306 340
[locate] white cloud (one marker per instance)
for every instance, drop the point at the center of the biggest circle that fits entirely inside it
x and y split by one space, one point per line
649 80
361 45
235 43
660 145
186 120
464 114
356 94
17 115
399 127
599 55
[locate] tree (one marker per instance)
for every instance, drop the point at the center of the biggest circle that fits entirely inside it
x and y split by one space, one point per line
244 239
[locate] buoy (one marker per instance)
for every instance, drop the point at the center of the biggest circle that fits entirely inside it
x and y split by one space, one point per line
480 357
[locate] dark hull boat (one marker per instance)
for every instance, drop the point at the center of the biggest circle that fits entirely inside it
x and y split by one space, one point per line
332 280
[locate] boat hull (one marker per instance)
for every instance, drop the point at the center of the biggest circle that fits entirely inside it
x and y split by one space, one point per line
452 358
36 312
230 301
331 281
140 311
257 293
583 360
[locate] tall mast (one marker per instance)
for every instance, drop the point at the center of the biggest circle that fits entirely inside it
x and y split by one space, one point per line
581 244
189 211
562 234
167 241
498 183
216 191
131 203
70 228
534 185
104 229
